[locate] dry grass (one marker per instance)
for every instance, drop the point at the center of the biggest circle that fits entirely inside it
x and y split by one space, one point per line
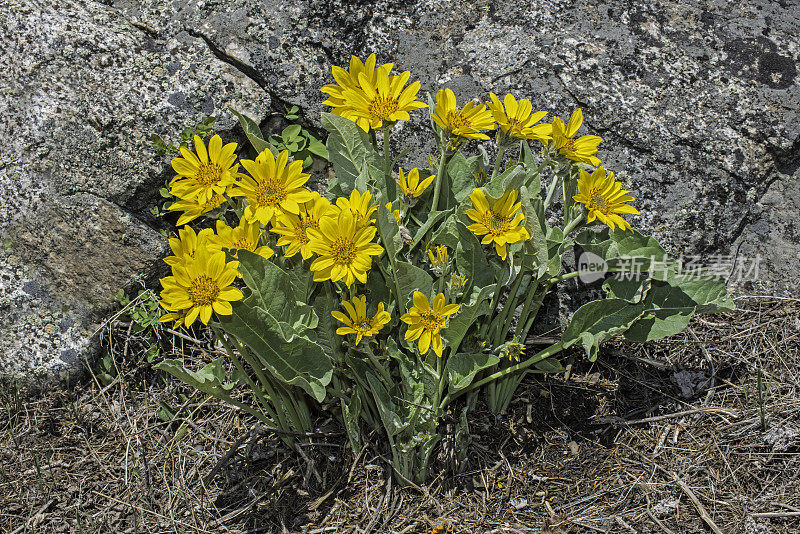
671 436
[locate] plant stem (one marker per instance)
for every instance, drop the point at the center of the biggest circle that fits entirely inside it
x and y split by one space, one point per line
508 309
395 285
574 274
255 389
440 372
495 299
539 356
551 190
497 161
526 308
574 223
439 177
536 173
569 188
379 367
387 161
532 312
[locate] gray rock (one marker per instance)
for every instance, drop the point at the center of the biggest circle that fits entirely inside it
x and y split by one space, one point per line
82 89
697 103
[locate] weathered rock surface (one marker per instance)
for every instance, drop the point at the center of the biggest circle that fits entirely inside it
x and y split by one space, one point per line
697 102
82 89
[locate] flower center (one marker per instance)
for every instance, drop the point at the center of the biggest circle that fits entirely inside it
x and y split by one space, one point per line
208 174
432 321
457 120
270 194
598 202
215 202
363 326
569 145
383 107
306 222
497 224
245 244
343 251
203 291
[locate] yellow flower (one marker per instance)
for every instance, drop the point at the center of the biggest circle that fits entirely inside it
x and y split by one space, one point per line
349 79
501 221
411 186
457 283
516 120
275 185
396 213
386 99
186 244
193 209
293 228
345 249
581 149
200 177
358 323
468 122
437 255
359 206
424 321
245 236
604 198
200 287
513 351
179 317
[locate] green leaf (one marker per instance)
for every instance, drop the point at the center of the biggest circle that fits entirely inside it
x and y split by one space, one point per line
389 232
626 250
467 316
392 423
270 286
285 346
290 357
549 365
318 149
598 321
291 131
447 234
433 218
378 289
536 252
710 294
411 278
349 148
253 133
462 368
351 415
532 177
510 179
327 338
667 311
210 379
462 175
471 260
627 288
301 279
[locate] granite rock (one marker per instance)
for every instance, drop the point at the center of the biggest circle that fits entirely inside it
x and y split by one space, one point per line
697 102
83 88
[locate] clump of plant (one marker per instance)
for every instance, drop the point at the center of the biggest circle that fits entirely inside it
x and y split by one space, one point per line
402 290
